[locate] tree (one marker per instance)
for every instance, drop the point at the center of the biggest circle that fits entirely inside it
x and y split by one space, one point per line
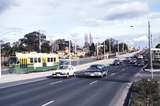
31 42
46 48
123 47
92 49
110 43
158 45
6 49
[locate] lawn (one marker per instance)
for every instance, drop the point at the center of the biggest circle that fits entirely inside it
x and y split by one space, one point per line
145 93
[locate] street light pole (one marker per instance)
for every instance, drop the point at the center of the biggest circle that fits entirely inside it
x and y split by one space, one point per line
97 49
0 62
39 43
104 49
150 45
70 52
109 45
118 47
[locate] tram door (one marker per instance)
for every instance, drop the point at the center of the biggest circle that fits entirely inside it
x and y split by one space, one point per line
44 62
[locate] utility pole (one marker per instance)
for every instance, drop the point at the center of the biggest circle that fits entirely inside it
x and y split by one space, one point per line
104 49
150 45
109 45
39 43
70 52
118 47
0 61
123 47
97 49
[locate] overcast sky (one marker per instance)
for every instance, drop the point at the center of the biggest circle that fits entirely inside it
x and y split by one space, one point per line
68 18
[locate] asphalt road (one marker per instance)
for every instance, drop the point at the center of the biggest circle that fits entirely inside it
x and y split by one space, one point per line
82 61
71 92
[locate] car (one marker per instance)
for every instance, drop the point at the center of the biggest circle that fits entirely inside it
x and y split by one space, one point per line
64 71
117 62
132 61
140 63
96 70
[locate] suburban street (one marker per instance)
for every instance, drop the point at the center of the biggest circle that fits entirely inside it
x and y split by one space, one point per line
72 91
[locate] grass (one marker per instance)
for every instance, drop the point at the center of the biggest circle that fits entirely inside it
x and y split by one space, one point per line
145 93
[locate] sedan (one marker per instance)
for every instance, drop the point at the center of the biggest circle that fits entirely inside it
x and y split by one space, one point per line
97 70
64 71
117 62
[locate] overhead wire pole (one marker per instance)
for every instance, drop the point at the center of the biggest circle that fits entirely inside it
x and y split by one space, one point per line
150 51
0 62
104 49
69 52
39 43
109 45
118 47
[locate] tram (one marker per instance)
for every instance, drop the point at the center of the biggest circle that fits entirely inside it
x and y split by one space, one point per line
33 61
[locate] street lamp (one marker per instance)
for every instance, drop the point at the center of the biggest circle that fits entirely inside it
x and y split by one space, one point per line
0 61
104 49
150 45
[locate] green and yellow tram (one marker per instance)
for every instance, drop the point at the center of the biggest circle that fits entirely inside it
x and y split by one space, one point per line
33 61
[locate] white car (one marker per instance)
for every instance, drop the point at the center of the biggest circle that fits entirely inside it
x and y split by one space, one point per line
64 71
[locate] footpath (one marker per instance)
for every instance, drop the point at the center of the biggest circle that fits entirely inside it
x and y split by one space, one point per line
16 79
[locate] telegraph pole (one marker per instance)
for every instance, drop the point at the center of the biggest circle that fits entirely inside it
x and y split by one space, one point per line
39 43
104 49
109 45
0 61
150 45
69 51
118 47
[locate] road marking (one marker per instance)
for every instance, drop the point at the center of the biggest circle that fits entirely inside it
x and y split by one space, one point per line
93 82
53 83
48 103
113 74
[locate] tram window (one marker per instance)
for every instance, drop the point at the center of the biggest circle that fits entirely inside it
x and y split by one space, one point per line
48 59
31 60
51 59
54 59
39 60
35 60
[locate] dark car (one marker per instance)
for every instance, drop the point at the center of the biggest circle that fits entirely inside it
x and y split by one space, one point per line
117 62
97 70
140 63
133 61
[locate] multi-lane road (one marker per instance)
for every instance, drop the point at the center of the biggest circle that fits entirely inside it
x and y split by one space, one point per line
72 91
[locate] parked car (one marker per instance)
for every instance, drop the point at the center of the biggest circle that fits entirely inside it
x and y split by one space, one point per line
64 71
96 70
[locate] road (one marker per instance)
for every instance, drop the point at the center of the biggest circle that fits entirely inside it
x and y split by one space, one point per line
71 92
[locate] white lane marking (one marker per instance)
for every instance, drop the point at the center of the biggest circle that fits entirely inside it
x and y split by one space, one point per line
48 103
113 74
53 83
93 82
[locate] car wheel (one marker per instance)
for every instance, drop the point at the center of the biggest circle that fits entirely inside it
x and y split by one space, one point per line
67 75
102 75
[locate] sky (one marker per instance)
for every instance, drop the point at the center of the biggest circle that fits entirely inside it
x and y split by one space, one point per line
72 19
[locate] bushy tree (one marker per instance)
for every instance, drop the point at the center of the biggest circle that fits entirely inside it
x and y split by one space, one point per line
158 45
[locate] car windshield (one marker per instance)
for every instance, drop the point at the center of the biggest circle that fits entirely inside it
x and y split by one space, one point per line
63 67
95 67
